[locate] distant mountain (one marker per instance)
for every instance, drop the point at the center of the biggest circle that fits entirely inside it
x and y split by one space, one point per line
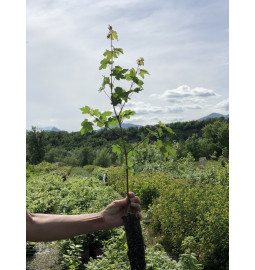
46 129
130 125
125 126
213 115
50 129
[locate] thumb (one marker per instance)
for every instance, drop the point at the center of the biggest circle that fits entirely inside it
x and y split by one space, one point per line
122 203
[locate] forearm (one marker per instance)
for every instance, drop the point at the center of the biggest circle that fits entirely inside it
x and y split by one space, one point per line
44 227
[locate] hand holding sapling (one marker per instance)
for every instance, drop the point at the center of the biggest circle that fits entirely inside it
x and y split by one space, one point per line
114 212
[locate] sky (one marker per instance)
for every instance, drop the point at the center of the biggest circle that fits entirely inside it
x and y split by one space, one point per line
184 44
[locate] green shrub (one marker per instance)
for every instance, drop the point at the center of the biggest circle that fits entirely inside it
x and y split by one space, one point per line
115 257
90 168
78 171
103 158
201 211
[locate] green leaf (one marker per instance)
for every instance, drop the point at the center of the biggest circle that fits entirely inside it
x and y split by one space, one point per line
161 124
106 81
132 153
96 112
108 55
137 81
167 128
164 151
146 141
86 126
113 121
132 72
159 143
85 110
99 123
128 77
119 95
153 133
160 132
130 164
112 35
171 150
119 50
142 72
115 100
104 63
118 72
82 131
138 89
105 114
116 149
127 113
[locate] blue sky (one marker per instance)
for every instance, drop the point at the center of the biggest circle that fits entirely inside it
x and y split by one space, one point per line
184 44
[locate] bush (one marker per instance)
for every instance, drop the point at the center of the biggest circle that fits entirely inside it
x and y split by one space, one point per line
78 171
115 257
189 199
103 158
90 168
184 209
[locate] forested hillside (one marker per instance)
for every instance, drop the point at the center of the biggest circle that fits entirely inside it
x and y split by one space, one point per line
208 138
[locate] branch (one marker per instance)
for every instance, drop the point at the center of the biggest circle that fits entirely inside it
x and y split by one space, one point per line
148 135
130 94
107 127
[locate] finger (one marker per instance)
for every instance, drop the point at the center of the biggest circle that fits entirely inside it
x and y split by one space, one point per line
136 206
131 194
135 200
121 203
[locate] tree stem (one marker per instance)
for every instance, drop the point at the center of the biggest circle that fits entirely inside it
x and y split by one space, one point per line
121 129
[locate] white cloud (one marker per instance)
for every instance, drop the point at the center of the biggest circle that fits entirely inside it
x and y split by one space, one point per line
224 104
141 108
185 92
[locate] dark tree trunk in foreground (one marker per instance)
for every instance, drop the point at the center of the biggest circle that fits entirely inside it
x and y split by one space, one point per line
136 248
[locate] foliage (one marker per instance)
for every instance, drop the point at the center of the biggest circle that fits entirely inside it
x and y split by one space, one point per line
103 158
35 146
80 149
78 171
115 257
90 168
48 193
190 199
201 211
72 258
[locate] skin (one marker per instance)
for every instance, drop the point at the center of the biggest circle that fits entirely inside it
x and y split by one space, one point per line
48 227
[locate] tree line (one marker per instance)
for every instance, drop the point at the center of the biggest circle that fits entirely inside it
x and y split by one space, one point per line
208 138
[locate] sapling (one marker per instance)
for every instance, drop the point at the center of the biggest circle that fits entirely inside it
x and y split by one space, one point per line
118 98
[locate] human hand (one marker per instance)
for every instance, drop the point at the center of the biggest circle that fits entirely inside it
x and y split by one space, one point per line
113 213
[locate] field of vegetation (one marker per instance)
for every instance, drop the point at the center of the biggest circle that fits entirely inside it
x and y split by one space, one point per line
185 199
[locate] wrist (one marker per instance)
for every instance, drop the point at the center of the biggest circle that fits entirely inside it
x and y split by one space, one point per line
103 220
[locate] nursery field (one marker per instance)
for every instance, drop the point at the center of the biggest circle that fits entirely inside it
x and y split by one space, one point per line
184 207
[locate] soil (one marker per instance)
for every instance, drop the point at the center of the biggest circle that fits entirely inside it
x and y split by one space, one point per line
136 248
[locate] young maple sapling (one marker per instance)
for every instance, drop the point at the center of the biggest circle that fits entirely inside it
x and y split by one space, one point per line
118 97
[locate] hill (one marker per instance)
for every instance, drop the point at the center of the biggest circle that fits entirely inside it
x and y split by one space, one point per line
213 115
46 129
129 125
